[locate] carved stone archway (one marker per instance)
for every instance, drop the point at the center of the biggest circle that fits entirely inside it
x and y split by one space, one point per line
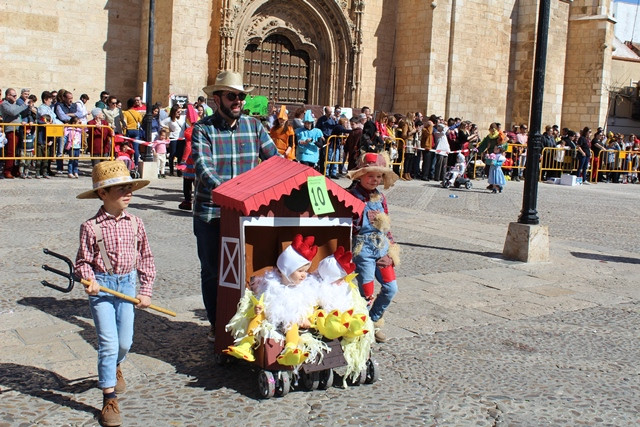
323 30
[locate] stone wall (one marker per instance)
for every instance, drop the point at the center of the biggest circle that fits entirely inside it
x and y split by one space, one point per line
588 65
83 46
378 31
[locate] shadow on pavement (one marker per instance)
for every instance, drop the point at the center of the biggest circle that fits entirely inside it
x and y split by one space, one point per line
487 254
180 344
606 258
44 384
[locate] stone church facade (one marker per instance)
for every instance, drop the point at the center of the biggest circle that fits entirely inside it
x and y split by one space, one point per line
465 58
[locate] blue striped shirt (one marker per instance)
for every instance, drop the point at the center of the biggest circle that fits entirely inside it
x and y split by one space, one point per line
221 152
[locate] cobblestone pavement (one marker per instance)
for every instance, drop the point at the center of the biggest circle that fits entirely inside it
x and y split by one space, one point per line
474 339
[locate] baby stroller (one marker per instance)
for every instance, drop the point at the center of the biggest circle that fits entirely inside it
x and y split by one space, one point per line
456 175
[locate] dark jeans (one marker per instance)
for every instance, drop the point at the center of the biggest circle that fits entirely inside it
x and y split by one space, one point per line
427 170
208 243
135 134
176 150
583 164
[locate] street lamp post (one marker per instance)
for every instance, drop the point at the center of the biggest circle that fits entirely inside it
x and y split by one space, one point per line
526 239
148 117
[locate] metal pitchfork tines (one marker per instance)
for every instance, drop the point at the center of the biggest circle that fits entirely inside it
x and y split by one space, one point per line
73 277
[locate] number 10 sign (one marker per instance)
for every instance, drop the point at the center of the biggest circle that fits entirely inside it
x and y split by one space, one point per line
319 195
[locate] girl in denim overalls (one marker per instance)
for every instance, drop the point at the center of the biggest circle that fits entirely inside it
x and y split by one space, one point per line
374 252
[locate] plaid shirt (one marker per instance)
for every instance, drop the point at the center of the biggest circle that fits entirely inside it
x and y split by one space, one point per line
221 152
118 241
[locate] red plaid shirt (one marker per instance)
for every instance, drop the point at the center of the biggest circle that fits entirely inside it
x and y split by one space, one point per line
119 243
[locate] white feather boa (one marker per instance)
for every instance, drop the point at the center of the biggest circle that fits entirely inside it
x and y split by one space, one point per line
285 305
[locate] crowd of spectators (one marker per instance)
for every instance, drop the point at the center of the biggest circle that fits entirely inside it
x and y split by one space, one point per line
419 147
97 125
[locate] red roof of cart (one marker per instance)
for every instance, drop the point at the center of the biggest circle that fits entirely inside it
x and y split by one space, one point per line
271 180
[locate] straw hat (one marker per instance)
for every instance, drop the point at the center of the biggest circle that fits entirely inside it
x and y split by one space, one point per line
109 174
227 80
375 162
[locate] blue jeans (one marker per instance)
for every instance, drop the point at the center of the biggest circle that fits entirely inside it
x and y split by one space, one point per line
208 242
113 318
73 163
334 156
367 270
135 134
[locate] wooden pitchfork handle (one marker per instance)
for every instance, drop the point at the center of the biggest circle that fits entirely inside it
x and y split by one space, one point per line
73 277
128 298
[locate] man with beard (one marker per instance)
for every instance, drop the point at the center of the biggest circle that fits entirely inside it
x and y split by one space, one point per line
224 145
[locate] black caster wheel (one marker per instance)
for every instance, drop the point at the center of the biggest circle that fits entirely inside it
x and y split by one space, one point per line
311 380
284 383
326 379
372 372
266 384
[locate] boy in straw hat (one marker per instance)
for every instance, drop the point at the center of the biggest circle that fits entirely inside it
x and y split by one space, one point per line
114 252
374 252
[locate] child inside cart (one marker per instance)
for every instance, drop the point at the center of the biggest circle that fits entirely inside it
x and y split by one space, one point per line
343 312
284 300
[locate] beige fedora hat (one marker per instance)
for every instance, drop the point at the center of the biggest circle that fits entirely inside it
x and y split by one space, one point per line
227 80
109 174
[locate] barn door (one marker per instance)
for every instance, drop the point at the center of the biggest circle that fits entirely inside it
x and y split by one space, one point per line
277 70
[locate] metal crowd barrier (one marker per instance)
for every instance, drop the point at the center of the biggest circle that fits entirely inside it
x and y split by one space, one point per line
336 151
616 163
52 137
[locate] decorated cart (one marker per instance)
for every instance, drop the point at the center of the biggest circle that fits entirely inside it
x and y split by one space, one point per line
261 211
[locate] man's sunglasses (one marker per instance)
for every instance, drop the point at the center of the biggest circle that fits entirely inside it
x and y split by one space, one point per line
233 96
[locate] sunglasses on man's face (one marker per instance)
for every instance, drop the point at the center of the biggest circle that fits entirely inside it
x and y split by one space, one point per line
233 96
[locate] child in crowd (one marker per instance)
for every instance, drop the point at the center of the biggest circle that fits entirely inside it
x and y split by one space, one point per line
114 253
160 150
284 299
44 148
73 144
186 165
309 140
374 251
125 153
496 179
26 150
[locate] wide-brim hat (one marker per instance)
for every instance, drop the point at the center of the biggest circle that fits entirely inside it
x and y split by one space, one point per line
227 80
375 162
110 174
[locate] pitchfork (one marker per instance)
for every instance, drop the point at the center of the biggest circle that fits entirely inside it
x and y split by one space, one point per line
73 277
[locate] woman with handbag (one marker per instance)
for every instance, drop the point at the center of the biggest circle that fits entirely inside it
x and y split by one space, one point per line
133 120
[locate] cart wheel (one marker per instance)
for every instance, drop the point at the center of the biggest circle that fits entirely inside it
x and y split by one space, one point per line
311 381
373 373
468 185
221 359
284 383
326 379
359 379
266 384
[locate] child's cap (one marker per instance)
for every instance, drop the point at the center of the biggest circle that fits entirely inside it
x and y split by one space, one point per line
336 266
375 162
299 253
109 174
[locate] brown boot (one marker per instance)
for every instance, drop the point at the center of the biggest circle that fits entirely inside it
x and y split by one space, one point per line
110 415
121 385
380 336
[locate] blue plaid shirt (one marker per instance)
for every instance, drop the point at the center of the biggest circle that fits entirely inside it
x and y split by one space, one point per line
221 152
